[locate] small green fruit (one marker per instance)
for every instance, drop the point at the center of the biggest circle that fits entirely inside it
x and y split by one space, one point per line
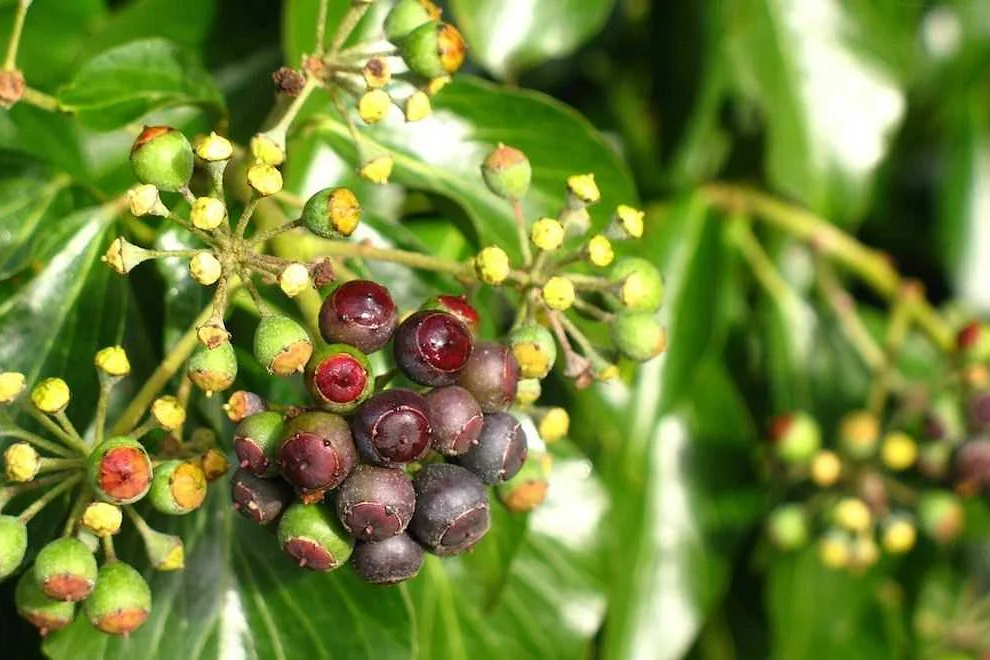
311 534
65 569
256 441
638 335
213 369
973 343
178 487
787 527
339 378
162 157
165 551
433 50
13 544
332 213
796 437
534 349
406 16
640 286
528 488
46 614
282 345
119 470
121 601
859 434
507 172
941 516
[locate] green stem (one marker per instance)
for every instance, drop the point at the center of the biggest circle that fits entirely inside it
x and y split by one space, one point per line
412 259
75 440
20 14
85 496
321 26
347 25
49 425
37 441
589 282
597 313
264 236
108 550
9 492
281 127
56 464
844 307
760 263
144 429
254 293
579 337
521 233
897 331
30 512
102 403
245 218
41 100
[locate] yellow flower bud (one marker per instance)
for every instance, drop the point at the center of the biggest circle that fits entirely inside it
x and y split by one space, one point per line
294 279
345 210
205 268
547 234
899 451
417 106
627 223
215 464
377 169
853 514
864 551
268 149
435 85
122 255
834 550
826 468
144 200
50 395
554 425
214 148
583 188
373 105
207 213
213 333
168 412
11 386
376 72
492 265
264 179
102 518
899 536
21 462
600 251
528 391
558 293
113 361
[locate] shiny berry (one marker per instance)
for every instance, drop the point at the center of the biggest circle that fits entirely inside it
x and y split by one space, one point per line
459 307
13 544
339 377
360 313
178 487
392 428
393 560
491 376
455 419
507 172
312 536
500 451
432 347
282 345
44 613
256 441
375 503
119 470
259 500
317 453
452 512
66 569
121 601
162 156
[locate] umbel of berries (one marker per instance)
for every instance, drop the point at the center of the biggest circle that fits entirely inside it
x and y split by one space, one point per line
120 470
65 569
316 453
311 535
162 157
375 503
431 347
452 512
121 601
392 427
360 313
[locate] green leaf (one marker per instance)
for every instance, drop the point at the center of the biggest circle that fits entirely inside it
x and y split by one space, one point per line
830 107
509 37
186 23
124 84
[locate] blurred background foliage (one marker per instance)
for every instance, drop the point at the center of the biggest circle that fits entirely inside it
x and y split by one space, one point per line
874 114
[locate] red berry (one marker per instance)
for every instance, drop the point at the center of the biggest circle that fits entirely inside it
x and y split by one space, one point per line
455 418
375 503
432 347
360 313
339 377
317 453
459 307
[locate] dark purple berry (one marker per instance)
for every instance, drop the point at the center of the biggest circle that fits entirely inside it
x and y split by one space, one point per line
455 418
452 511
393 560
500 451
375 503
392 427
431 347
339 377
317 453
360 313
256 441
459 307
259 500
491 376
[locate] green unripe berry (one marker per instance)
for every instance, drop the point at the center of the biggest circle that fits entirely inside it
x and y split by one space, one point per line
44 613
65 569
941 515
213 369
787 527
859 434
165 551
311 534
282 345
640 286
406 16
162 157
332 213
256 441
339 377
13 544
119 470
796 437
534 349
433 50
178 487
528 488
121 601
638 335
507 172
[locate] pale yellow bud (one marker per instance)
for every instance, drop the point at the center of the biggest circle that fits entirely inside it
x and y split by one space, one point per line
492 265
113 361
547 234
205 268
558 293
373 105
207 213
50 395
21 462
294 279
264 179
11 385
417 106
168 412
102 518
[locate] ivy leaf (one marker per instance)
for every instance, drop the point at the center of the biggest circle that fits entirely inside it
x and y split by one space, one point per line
125 83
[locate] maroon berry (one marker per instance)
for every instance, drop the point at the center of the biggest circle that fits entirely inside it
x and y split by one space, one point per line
392 427
256 440
431 347
459 307
500 451
972 464
455 418
360 313
259 500
452 511
375 503
339 377
978 407
242 404
393 560
491 376
317 453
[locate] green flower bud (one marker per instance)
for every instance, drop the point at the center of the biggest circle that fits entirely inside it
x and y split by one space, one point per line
162 156
406 16
534 349
941 516
796 437
119 470
311 534
165 551
528 488
44 613
433 50
65 569
121 601
178 487
787 527
213 369
282 345
638 335
340 378
13 544
332 213
640 285
256 441
507 172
